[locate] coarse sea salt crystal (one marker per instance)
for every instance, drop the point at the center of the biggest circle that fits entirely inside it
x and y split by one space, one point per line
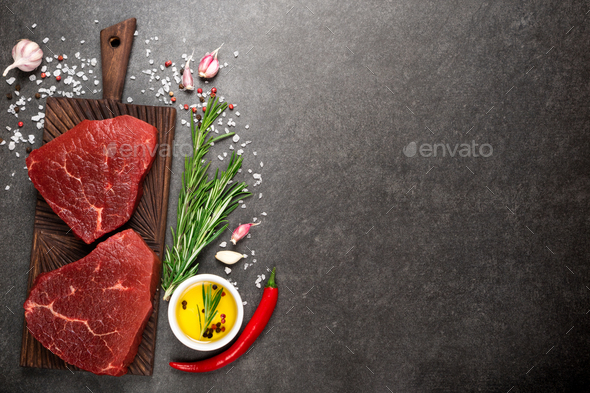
223 244
136 33
236 53
11 145
259 195
238 114
33 25
220 157
10 80
93 62
227 270
32 78
45 40
263 213
247 126
129 99
240 152
82 42
132 77
96 82
63 39
236 138
7 188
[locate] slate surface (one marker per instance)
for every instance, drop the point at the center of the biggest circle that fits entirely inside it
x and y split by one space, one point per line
401 274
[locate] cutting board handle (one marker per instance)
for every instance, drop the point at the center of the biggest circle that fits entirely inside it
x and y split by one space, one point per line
115 48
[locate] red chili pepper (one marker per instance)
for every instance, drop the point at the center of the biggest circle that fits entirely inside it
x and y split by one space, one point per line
245 341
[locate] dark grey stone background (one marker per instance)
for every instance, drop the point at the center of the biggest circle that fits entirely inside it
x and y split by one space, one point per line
397 274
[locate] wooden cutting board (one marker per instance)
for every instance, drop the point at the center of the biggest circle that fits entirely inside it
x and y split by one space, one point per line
54 244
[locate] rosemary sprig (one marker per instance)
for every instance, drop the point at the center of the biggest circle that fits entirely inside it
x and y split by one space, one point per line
203 203
210 303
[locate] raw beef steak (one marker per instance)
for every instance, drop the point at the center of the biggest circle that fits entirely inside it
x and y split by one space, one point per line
91 176
92 312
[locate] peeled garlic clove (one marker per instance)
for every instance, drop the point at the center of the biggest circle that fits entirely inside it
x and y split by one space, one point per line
27 56
229 257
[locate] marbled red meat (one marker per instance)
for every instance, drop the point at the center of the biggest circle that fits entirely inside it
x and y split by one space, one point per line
92 312
92 175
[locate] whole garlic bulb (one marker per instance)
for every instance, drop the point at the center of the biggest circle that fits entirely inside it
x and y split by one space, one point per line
27 56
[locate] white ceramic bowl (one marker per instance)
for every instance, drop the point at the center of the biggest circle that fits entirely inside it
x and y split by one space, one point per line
190 342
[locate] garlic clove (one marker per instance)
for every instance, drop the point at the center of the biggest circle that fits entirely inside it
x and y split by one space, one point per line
209 65
229 257
241 231
27 56
187 77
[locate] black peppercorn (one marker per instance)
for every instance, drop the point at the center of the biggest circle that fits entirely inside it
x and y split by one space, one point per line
184 304
201 99
17 87
37 95
217 330
181 71
28 149
181 86
16 109
214 286
199 117
9 96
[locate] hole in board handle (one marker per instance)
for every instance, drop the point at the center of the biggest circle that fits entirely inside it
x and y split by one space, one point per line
114 41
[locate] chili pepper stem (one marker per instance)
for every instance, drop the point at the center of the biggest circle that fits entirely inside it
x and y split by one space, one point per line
271 280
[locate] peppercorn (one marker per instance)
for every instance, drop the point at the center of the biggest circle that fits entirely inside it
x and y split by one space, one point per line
194 109
223 328
168 63
17 87
210 335
231 107
171 93
199 117
16 109
201 99
43 75
181 71
184 304
2 140
214 287
218 324
60 58
28 149
173 99
9 96
203 311
199 124
58 78
20 124
37 95
218 330
214 90
181 86
204 109
199 90
213 95
222 293
222 316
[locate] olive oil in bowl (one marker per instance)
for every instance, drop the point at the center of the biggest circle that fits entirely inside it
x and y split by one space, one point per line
191 304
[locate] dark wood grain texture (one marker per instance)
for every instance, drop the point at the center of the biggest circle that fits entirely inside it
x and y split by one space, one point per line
54 244
115 47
